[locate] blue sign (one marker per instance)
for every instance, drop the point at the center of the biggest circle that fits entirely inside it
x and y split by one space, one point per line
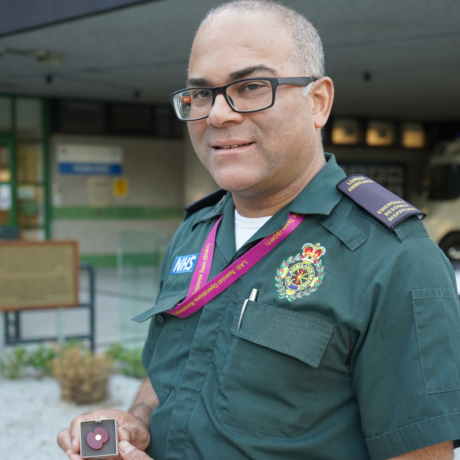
90 160
91 169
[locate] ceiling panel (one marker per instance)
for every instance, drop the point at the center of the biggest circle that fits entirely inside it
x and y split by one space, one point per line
411 50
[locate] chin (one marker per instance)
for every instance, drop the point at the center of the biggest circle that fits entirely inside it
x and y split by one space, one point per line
234 181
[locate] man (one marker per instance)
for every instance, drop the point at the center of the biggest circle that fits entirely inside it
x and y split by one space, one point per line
339 339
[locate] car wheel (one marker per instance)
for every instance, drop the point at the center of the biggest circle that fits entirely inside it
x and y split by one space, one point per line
450 245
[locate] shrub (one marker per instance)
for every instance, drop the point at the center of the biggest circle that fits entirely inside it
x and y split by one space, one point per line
13 365
82 376
128 361
40 360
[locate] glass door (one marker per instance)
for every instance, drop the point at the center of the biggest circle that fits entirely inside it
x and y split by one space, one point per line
24 167
8 215
30 190
30 168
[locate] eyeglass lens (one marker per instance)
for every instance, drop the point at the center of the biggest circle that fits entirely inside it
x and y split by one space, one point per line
245 96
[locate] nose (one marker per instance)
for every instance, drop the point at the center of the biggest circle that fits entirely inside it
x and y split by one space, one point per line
222 113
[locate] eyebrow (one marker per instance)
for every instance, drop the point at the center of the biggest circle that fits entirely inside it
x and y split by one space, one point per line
237 75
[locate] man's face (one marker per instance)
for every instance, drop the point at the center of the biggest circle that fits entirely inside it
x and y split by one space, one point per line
275 146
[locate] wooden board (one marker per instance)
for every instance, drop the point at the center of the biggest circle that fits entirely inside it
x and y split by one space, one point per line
35 275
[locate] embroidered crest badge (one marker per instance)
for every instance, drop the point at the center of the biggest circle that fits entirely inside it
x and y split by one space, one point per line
301 275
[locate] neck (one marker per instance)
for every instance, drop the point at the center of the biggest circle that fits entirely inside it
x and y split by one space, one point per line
268 201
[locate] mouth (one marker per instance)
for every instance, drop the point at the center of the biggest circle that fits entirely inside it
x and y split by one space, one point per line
234 146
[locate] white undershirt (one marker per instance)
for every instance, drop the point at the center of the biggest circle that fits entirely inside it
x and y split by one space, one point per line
245 227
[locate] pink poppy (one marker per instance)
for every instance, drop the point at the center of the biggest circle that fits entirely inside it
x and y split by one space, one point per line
97 438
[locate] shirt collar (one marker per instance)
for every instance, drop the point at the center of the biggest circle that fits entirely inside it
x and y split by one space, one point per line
320 196
217 210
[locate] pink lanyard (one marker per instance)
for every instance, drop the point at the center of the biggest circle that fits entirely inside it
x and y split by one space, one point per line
198 296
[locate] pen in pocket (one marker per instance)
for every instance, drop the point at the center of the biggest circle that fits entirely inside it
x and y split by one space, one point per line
252 297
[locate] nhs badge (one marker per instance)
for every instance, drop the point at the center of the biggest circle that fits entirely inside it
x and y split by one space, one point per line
184 264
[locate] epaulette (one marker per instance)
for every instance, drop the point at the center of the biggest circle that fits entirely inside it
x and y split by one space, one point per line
208 200
384 205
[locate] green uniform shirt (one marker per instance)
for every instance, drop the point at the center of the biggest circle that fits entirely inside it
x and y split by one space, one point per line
352 356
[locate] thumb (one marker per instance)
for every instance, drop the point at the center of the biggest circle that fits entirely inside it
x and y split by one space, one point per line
129 452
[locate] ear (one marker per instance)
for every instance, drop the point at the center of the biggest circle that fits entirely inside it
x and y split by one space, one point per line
321 98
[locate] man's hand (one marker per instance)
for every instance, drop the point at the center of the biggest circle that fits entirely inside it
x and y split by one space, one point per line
133 426
443 451
130 429
129 452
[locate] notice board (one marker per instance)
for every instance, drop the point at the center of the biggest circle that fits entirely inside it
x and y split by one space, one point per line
35 275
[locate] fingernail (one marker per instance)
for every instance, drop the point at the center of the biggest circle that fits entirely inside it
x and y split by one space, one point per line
126 447
74 445
69 453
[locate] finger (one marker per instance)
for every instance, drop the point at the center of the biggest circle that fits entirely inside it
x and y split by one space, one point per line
75 433
123 434
65 443
129 452
63 440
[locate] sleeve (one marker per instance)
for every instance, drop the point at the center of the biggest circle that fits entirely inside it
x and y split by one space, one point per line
406 362
150 343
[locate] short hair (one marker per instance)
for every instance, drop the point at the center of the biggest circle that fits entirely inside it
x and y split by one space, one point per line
309 55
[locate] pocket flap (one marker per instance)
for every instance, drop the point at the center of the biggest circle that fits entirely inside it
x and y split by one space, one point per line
166 301
295 334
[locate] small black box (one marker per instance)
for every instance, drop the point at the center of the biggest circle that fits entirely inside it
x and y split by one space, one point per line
99 439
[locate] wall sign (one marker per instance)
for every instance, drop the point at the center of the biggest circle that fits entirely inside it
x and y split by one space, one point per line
99 191
38 274
120 187
90 160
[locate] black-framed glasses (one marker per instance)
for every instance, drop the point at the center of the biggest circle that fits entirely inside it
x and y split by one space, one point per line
243 96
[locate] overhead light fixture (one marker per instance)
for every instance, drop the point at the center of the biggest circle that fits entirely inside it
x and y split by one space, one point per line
42 56
345 131
46 56
5 175
380 134
413 135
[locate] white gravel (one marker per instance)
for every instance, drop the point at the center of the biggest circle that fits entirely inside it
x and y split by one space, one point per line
32 414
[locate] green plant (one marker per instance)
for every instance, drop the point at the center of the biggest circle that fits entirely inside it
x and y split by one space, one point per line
40 360
82 376
20 362
13 365
128 361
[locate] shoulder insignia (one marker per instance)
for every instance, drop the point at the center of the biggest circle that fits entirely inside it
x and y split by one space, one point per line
208 200
384 205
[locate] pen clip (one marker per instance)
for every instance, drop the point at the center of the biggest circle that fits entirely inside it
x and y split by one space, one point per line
253 298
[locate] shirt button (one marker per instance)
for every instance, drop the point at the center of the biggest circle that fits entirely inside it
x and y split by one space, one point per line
160 318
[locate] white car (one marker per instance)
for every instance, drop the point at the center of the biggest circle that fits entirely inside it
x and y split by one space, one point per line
441 201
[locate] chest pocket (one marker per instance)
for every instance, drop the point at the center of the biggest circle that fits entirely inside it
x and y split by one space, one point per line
269 381
167 332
